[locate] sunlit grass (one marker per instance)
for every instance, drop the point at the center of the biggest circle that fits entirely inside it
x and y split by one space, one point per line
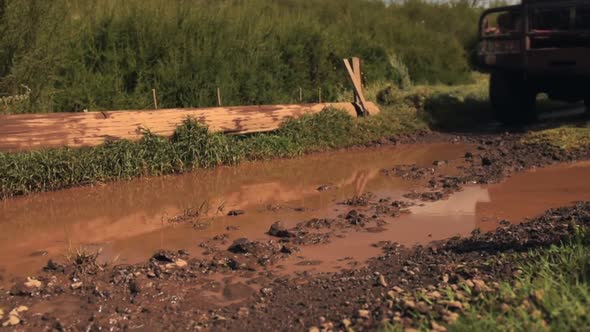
564 137
552 294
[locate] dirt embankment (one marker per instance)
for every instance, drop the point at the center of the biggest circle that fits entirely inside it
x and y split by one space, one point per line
241 287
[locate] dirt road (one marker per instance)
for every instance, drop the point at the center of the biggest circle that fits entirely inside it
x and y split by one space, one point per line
327 241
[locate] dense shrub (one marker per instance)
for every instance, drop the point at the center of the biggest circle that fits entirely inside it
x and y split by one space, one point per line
109 54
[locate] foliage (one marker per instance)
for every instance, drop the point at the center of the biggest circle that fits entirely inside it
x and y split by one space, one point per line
108 54
443 107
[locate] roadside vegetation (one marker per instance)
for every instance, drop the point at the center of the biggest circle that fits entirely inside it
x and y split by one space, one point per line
442 107
551 294
93 55
572 136
69 56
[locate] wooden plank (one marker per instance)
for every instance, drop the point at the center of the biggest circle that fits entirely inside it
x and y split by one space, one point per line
34 131
356 68
356 87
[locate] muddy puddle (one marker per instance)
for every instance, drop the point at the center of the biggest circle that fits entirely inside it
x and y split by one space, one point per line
521 196
129 221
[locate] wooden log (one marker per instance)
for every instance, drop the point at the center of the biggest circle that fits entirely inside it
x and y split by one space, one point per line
35 131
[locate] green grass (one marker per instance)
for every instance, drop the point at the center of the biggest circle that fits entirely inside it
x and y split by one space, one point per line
552 294
443 107
563 137
110 54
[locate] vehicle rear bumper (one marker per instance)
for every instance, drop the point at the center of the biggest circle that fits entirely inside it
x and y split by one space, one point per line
569 62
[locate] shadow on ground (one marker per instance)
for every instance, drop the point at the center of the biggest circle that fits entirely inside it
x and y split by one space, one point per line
447 113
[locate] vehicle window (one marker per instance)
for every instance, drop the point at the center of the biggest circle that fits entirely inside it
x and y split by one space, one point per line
502 23
550 19
583 19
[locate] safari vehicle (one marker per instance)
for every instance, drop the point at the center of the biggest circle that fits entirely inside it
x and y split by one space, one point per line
538 46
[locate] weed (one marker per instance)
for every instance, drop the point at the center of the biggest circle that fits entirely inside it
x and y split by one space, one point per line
83 261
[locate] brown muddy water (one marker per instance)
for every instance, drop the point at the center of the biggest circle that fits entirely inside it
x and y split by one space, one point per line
129 221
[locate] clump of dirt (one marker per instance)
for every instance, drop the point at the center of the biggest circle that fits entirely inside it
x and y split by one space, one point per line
362 200
410 172
394 209
278 229
428 196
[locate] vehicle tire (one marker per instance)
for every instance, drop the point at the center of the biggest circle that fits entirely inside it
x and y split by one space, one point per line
512 99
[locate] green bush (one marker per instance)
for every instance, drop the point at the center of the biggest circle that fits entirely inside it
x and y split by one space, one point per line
109 54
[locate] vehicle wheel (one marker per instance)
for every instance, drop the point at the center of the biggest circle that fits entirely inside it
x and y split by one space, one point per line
513 101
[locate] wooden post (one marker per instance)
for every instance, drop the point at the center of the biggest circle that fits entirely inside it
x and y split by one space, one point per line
356 68
320 95
218 97
300 95
357 87
155 99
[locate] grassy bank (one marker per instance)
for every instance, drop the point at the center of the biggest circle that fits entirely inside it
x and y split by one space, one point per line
417 107
500 285
71 55
443 107
564 137
551 294
193 146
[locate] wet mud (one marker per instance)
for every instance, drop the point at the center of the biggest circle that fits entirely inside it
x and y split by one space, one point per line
334 252
129 221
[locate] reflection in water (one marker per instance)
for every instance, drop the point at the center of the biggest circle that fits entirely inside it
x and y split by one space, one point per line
532 193
522 196
432 221
129 220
